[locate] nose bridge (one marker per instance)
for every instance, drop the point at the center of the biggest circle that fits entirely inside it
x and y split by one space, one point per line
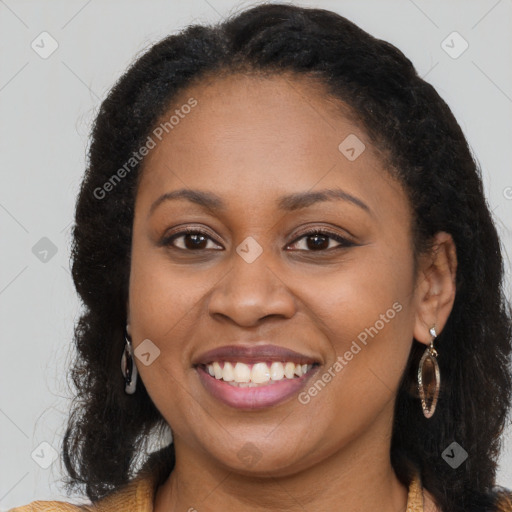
251 290
251 268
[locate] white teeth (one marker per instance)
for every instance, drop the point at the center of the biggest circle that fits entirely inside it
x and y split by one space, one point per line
241 373
260 373
289 370
276 371
245 376
217 370
227 372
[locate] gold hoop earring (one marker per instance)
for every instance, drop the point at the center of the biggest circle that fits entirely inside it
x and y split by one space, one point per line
429 378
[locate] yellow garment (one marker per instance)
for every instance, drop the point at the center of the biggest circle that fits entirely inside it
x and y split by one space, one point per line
138 496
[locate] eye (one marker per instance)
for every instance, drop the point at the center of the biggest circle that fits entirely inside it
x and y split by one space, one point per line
319 240
193 239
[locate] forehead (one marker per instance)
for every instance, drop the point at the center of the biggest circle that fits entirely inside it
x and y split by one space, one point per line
250 111
259 135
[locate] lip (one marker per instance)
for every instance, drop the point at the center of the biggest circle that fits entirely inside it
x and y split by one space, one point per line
253 353
255 397
250 398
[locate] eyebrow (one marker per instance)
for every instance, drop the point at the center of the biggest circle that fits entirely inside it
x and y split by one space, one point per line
291 202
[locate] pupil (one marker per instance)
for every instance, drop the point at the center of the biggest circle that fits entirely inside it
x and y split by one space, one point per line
197 240
319 242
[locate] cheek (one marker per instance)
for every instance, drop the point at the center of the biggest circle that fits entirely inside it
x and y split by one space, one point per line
162 295
160 304
167 307
365 312
364 291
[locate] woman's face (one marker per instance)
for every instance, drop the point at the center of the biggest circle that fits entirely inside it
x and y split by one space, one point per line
264 153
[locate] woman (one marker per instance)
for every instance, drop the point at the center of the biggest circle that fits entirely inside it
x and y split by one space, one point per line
282 235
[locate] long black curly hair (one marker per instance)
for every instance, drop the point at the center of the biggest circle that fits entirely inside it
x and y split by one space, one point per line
425 150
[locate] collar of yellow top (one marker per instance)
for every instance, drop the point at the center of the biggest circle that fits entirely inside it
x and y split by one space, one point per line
139 495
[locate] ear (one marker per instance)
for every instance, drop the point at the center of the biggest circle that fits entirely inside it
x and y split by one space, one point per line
435 287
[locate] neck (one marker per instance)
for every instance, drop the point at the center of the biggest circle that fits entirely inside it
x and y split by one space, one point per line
357 477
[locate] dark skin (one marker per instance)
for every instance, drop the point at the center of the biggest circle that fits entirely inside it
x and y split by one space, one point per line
251 141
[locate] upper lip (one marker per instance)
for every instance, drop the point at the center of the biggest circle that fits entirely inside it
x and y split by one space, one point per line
253 354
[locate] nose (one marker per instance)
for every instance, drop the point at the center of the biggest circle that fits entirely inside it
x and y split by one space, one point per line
250 292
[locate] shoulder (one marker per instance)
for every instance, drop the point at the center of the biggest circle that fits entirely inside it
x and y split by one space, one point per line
137 496
502 496
504 503
108 504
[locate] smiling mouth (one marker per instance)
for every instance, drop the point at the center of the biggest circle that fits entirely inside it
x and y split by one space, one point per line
240 374
255 376
255 386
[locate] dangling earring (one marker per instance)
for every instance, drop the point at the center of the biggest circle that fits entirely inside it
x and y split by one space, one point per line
128 367
429 378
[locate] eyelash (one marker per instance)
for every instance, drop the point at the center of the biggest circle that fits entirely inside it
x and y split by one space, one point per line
344 242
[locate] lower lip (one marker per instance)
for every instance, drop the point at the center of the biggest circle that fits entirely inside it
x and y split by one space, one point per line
256 397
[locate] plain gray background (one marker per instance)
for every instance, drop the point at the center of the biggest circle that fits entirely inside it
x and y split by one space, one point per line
46 109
